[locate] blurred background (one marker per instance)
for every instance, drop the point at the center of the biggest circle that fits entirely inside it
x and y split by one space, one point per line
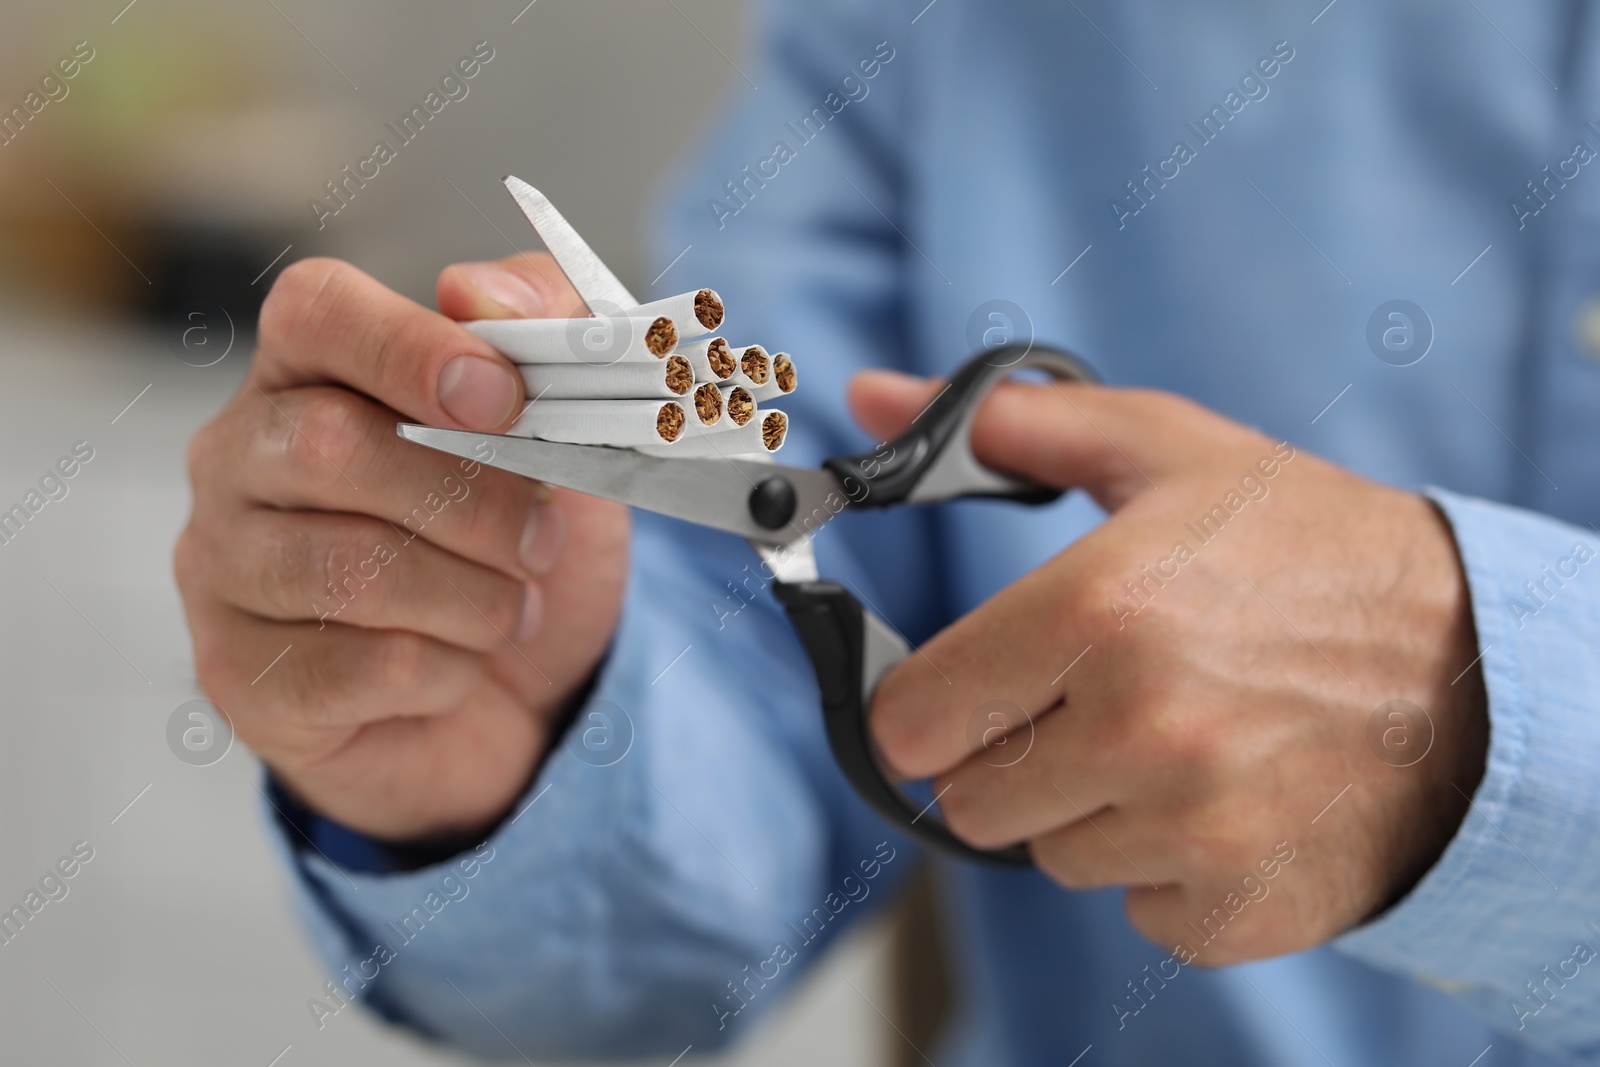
171 175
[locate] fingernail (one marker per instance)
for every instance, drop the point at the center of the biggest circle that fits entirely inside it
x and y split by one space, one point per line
544 538
509 290
532 612
477 392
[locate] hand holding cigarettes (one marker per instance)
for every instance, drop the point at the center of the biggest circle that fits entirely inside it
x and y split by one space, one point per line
426 619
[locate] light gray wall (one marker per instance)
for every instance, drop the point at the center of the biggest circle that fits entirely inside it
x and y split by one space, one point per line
589 101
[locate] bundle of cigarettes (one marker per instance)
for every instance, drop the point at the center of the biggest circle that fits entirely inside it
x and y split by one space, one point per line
654 378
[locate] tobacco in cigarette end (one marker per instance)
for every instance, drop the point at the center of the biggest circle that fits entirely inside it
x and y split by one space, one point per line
708 404
741 407
680 376
669 422
783 371
755 364
720 356
708 308
662 336
774 426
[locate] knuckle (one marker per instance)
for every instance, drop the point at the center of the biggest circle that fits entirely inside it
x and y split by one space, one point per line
1052 857
328 431
971 815
213 670
900 734
309 692
506 606
1149 911
345 564
298 297
1193 852
296 564
498 515
288 567
202 447
316 690
188 559
1096 607
401 663
1180 739
1118 732
221 674
962 808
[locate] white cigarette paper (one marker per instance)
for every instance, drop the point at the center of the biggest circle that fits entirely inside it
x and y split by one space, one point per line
710 357
781 382
761 436
576 381
695 313
598 342
605 422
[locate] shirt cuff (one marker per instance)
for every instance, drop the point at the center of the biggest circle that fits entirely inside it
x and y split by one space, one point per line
1514 888
303 827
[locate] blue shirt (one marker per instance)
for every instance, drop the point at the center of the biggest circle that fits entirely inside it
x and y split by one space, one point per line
1214 198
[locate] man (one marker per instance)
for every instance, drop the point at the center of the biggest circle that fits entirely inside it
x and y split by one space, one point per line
1284 708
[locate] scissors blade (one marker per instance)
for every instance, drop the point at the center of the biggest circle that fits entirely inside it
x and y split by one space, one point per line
706 492
588 274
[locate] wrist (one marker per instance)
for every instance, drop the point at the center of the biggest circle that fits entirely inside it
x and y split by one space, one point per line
1457 715
383 843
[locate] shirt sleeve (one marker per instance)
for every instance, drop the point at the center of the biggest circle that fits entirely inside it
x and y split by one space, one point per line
690 846
1509 917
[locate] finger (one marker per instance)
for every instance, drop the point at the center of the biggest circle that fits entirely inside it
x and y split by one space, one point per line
884 402
325 321
1114 443
288 684
1014 649
1050 772
359 571
475 759
328 449
526 286
1099 851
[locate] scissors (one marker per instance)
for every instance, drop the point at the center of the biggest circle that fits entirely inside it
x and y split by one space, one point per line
779 509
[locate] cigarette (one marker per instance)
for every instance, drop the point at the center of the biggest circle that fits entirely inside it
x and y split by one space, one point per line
599 342
755 368
711 358
708 404
760 437
774 429
739 404
783 371
782 382
668 377
604 422
702 307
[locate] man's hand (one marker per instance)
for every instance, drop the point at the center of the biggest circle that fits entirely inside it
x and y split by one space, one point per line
1240 617
391 628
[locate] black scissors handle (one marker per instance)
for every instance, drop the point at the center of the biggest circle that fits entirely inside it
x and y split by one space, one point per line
933 460
850 648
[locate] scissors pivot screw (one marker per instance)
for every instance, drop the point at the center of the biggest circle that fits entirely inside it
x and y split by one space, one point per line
772 502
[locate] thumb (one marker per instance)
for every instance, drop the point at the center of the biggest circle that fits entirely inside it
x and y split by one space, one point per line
1113 443
527 286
